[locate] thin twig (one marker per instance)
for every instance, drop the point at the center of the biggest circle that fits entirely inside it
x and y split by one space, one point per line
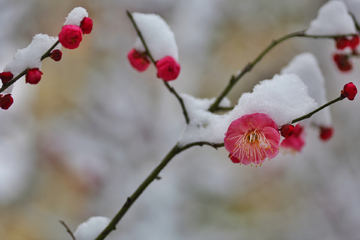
317 110
250 65
355 22
45 55
153 175
171 89
67 229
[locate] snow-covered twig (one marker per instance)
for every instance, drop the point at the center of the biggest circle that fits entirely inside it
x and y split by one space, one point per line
235 78
45 55
153 175
170 88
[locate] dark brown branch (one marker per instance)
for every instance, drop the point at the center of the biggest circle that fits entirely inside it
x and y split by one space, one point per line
171 89
67 229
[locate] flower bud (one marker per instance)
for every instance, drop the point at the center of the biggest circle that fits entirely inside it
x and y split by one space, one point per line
167 68
341 43
349 91
6 101
86 25
287 130
6 77
138 60
56 55
70 36
342 62
326 133
33 76
354 42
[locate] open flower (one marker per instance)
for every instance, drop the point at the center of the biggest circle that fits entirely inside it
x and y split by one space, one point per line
296 141
252 138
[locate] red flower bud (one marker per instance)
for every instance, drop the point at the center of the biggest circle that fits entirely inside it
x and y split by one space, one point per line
138 60
326 133
6 101
86 25
6 77
70 36
349 91
56 55
287 130
167 68
354 42
342 62
33 76
342 43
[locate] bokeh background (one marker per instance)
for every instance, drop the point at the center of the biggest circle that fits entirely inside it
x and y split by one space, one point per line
79 143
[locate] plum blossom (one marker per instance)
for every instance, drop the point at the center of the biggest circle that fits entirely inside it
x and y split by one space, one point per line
252 138
296 141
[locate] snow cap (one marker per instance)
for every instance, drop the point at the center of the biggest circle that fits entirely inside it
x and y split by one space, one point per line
76 16
307 68
90 229
157 34
333 19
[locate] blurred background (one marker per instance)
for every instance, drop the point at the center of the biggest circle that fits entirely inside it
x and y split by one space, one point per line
79 143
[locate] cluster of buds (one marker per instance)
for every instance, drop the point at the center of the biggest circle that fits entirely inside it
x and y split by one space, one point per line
343 60
167 67
71 35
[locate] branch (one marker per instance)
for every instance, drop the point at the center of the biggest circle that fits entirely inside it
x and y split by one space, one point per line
153 175
45 55
355 22
317 110
68 229
171 89
250 65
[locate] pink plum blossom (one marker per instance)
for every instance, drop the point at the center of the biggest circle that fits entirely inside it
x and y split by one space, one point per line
252 138
296 141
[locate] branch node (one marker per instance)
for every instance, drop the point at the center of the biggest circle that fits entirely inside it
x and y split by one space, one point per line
67 229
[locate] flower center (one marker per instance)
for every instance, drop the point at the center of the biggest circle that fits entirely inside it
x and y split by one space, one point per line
252 145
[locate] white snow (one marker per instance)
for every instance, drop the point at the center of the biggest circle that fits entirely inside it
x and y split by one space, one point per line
204 125
157 34
30 56
76 16
333 19
90 229
307 68
354 8
283 98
